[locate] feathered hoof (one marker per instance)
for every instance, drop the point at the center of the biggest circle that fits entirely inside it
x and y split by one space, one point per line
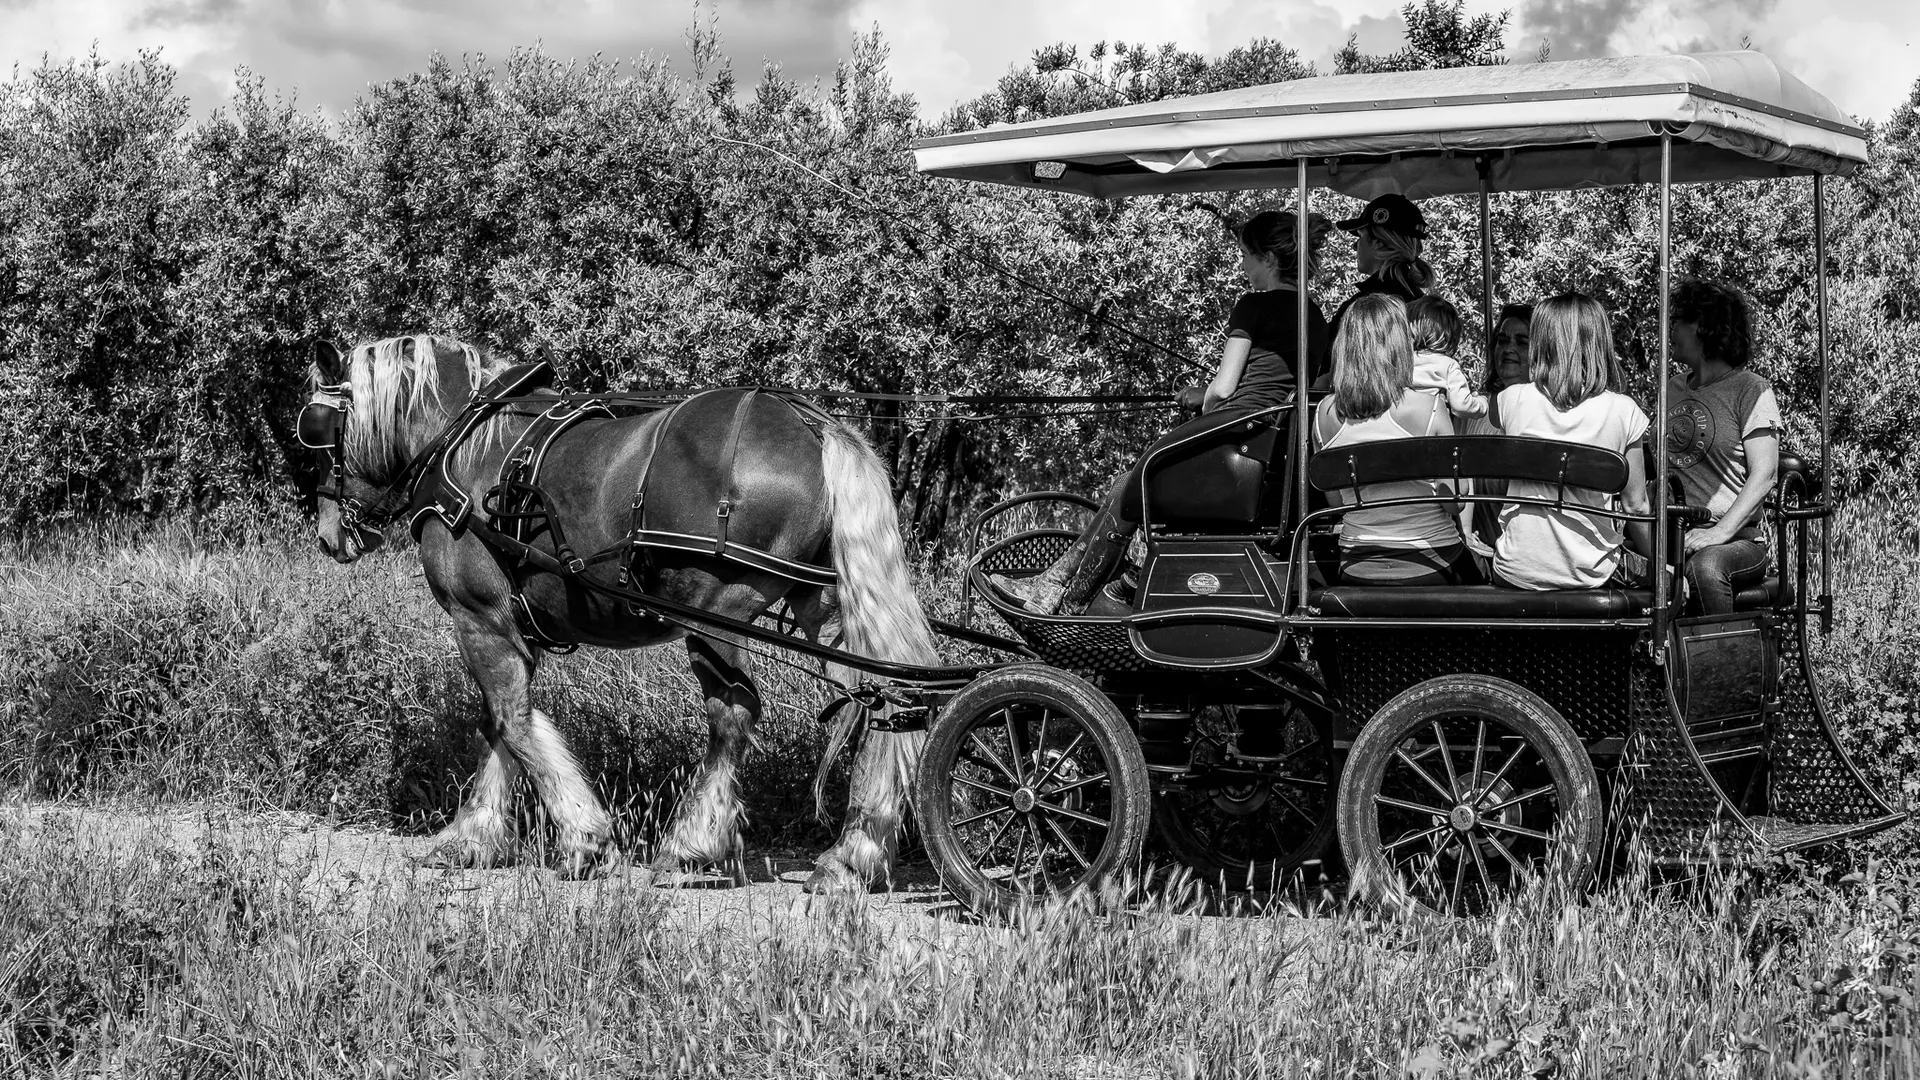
457 854
831 877
589 864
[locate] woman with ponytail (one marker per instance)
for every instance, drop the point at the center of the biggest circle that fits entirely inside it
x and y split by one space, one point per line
1260 364
1388 239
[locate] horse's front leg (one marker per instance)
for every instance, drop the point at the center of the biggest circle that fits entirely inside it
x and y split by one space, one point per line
706 825
521 739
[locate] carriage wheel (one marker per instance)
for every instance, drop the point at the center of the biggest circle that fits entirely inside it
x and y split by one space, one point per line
1032 785
1459 789
1254 835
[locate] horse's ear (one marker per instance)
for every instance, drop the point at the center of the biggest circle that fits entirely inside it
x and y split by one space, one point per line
328 362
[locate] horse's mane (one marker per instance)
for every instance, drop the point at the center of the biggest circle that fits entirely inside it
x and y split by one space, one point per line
395 384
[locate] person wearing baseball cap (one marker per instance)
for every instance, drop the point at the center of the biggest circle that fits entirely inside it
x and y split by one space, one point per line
1388 236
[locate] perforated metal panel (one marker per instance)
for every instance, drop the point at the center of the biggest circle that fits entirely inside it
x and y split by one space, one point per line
1581 673
1076 643
1668 802
1813 782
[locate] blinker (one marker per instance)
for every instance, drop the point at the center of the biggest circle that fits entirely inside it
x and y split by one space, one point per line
319 425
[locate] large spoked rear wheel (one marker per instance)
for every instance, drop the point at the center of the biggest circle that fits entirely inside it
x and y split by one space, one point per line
1459 789
1252 832
1032 786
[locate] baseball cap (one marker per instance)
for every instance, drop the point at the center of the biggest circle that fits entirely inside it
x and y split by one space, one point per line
1390 211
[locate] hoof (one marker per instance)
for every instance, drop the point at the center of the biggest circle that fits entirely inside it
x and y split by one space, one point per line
832 878
603 862
462 855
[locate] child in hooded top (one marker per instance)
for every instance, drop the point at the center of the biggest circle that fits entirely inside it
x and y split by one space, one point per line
1436 337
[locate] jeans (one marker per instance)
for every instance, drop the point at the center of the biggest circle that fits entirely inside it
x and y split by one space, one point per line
1718 572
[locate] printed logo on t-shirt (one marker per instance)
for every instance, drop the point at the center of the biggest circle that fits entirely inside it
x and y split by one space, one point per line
1690 432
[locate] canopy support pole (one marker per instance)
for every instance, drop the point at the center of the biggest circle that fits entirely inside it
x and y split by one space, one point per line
1826 415
1484 167
1659 477
1301 415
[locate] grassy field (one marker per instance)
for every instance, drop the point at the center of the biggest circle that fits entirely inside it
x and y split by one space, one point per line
153 670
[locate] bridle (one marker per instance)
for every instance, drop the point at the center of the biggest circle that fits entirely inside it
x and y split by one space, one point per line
322 427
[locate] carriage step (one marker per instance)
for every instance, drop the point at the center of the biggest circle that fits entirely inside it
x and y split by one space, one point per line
1779 834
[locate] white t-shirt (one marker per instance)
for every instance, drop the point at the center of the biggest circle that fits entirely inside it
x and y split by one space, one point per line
1542 547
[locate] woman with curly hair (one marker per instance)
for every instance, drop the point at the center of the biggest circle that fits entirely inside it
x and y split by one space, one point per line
1722 439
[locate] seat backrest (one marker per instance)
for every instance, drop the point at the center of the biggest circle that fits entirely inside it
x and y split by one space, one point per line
1469 457
1217 476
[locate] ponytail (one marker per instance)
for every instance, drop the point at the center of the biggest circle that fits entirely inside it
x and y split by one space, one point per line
1403 267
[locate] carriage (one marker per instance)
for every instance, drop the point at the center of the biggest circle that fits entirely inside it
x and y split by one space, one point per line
1454 740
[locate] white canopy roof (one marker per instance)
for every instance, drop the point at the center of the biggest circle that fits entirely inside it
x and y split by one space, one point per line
1571 124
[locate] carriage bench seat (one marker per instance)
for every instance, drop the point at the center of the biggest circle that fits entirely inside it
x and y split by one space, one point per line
1473 602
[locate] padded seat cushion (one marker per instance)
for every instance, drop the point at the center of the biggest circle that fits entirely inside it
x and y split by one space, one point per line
1477 602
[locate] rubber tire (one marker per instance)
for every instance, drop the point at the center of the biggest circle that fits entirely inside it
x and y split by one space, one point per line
1129 791
1171 826
1524 713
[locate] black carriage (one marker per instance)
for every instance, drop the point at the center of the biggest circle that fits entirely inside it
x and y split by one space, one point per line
1452 738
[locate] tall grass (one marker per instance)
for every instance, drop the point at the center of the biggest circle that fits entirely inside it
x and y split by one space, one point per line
234 958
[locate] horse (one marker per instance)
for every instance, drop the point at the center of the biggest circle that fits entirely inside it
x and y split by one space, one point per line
798 492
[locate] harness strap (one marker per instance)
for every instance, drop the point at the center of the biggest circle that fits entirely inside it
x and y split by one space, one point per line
728 454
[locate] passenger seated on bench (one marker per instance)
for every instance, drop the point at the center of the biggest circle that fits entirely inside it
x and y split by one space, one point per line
1372 401
1573 397
1722 424
1258 368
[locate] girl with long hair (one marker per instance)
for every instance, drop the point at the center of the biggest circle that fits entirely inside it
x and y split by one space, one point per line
1573 395
1372 401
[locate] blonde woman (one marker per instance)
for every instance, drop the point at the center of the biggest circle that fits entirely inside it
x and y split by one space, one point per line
1389 241
1260 364
1373 400
1573 396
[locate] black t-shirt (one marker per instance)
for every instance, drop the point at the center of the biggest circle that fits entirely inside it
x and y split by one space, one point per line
1270 321
1366 286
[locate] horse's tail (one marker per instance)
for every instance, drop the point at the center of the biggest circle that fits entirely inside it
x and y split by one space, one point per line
880 616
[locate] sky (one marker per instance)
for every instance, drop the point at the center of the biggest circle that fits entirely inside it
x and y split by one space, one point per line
322 53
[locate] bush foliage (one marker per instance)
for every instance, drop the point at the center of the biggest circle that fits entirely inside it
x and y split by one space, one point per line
162 278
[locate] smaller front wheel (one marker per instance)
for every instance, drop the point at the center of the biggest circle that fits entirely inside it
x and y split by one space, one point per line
1032 785
1458 789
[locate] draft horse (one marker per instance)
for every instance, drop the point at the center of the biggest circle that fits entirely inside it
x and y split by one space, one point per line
801 492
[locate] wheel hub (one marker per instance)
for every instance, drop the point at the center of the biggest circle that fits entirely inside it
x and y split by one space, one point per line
1240 800
1024 800
1463 818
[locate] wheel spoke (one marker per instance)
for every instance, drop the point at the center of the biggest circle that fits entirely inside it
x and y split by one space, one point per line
1414 837
1294 806
998 835
1067 841
1517 830
1505 853
1019 846
1459 881
1446 762
1040 743
1402 804
979 786
993 759
1479 756
1013 744
1039 854
1074 786
1424 775
1480 864
1543 789
1078 738
981 816
1511 758
1074 814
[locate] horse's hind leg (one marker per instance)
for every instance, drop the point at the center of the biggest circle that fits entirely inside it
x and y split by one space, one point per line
878 786
706 826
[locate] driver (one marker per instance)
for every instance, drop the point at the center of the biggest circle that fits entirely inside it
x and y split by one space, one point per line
1259 367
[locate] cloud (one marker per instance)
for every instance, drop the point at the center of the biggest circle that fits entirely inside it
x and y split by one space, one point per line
326 53
1575 29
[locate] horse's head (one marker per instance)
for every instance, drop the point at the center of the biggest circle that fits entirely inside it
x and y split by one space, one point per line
369 413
